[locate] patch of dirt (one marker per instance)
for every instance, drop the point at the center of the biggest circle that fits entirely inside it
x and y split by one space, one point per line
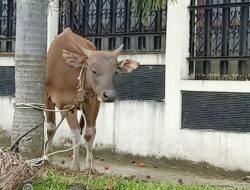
170 170
200 168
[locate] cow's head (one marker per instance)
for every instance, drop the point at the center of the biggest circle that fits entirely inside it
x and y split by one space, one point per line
100 66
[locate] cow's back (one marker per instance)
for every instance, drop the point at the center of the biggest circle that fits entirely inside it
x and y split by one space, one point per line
61 79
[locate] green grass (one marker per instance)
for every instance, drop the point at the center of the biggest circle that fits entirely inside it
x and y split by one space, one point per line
57 180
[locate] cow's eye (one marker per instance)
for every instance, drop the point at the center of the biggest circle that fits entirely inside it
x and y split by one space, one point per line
93 70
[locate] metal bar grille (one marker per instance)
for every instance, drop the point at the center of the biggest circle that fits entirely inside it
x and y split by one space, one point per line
7 25
7 80
221 111
114 22
219 39
215 4
145 83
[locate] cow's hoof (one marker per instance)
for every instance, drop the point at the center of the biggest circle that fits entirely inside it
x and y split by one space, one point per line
75 166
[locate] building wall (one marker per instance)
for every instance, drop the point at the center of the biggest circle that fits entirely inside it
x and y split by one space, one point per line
224 149
7 60
154 128
6 112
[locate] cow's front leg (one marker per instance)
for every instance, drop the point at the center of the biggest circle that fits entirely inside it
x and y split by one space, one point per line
89 137
51 125
76 137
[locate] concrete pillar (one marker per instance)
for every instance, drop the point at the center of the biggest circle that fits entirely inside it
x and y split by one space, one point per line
176 69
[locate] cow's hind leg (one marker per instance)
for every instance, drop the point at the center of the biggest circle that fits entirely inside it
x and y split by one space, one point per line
51 125
75 129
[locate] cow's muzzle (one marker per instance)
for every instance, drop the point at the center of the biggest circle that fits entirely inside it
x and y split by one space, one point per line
108 96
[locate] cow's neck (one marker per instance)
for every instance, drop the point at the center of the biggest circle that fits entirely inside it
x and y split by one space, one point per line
83 89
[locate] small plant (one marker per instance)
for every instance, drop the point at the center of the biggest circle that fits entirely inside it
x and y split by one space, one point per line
144 7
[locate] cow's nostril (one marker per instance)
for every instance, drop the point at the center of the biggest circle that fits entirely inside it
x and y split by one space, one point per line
104 95
108 95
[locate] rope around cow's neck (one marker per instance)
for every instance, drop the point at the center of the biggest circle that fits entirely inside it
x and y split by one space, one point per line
81 88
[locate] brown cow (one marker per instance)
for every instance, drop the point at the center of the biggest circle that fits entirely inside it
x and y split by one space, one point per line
68 55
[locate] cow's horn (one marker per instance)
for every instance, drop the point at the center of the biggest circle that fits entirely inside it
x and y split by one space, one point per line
84 50
118 50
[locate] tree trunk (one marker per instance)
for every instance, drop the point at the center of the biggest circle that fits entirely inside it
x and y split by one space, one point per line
31 46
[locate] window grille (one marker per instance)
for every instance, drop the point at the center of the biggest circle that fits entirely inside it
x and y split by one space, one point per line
7 25
219 39
108 23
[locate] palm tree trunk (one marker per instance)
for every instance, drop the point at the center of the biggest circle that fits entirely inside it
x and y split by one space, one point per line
31 46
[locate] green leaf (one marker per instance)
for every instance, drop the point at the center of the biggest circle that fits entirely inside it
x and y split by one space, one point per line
144 7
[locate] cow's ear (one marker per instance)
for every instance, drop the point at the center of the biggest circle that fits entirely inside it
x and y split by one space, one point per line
72 59
128 65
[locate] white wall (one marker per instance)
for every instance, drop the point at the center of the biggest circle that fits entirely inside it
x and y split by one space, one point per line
132 126
53 14
6 112
145 59
7 60
225 149
129 126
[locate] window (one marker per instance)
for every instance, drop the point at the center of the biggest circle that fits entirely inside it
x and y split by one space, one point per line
115 22
7 25
220 39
